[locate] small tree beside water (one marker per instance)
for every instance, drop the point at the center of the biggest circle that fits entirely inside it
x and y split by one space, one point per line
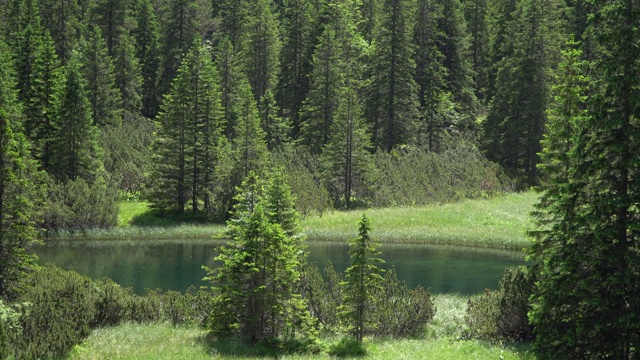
362 278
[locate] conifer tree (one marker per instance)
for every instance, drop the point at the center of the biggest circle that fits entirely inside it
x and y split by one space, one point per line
76 153
20 192
516 118
501 30
362 278
586 300
127 78
475 13
189 134
261 48
234 19
371 18
182 22
98 73
453 47
254 287
392 106
231 78
275 128
146 35
295 61
348 161
64 20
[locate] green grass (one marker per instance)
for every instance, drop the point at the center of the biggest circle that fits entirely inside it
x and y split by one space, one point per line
497 222
163 341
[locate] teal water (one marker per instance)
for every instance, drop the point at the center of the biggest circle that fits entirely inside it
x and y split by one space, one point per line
177 266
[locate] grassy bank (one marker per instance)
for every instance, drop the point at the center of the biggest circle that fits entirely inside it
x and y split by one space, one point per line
162 341
497 222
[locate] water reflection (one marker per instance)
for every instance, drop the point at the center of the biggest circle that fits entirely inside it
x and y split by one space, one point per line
178 265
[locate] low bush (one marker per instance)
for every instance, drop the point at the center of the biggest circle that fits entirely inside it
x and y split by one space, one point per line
398 311
77 205
502 315
323 294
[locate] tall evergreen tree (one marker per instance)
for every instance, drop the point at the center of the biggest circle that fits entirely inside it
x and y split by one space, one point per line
182 23
255 285
516 118
146 36
362 278
189 134
127 78
234 19
231 78
295 61
64 19
501 29
454 48
586 304
19 190
371 18
475 13
98 72
76 153
348 161
261 49
393 103
275 128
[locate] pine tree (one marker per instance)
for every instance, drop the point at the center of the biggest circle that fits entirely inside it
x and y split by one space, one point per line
295 61
392 106
127 78
475 13
146 36
348 161
64 20
261 49
370 13
189 134
76 153
234 19
501 29
586 303
275 128
255 285
98 71
516 118
20 192
182 23
453 47
231 79
362 278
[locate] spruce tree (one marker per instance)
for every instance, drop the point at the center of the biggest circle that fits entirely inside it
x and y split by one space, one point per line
20 192
189 134
586 302
98 71
261 48
254 287
147 42
275 127
76 153
127 78
295 61
362 278
475 13
392 106
348 163
64 20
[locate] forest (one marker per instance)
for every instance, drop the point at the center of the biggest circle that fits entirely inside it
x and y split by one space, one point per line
225 111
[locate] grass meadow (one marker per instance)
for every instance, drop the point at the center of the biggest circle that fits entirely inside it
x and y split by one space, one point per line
497 222
442 340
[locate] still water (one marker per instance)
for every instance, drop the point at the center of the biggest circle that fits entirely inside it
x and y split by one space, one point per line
177 266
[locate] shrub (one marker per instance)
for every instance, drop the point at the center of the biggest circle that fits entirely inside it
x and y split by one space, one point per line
63 307
502 314
323 294
192 307
77 205
10 331
398 311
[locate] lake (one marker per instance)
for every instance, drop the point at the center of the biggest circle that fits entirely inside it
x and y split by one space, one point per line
175 265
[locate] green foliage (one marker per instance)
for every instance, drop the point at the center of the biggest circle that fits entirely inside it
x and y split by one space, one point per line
502 315
21 192
77 205
347 347
254 287
398 311
417 177
323 294
362 280
10 330
304 179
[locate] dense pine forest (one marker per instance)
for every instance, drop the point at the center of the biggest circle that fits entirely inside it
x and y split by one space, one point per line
361 103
